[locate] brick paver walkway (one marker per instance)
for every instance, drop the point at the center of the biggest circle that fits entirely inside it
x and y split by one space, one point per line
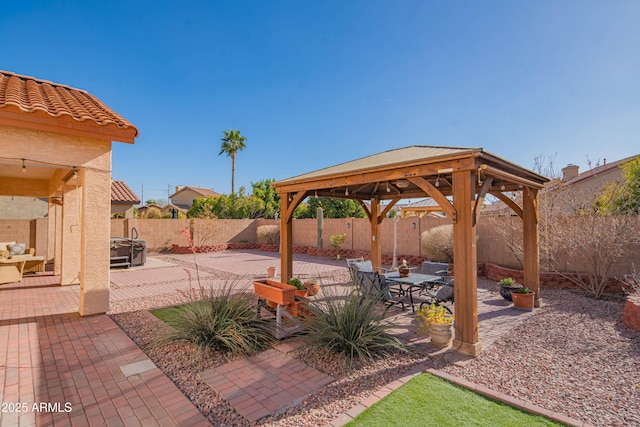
265 383
57 368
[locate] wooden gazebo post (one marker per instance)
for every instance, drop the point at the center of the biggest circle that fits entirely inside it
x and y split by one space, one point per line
465 264
531 241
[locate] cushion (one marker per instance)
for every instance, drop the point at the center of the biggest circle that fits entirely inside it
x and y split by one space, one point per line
363 266
4 246
16 249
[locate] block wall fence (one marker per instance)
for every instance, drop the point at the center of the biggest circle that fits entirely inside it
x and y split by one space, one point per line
162 234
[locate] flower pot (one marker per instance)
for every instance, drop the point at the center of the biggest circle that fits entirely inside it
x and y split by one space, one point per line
301 293
505 291
523 301
440 334
313 288
403 272
271 272
273 291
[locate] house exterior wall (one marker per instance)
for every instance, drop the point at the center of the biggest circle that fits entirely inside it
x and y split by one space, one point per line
185 197
23 207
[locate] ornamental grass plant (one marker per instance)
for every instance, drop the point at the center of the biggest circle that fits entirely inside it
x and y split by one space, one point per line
352 327
223 319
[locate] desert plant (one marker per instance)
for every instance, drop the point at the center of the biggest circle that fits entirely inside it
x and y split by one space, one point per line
508 281
297 283
336 240
224 320
437 243
268 234
352 327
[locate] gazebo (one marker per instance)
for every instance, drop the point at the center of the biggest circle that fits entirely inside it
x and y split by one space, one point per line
457 178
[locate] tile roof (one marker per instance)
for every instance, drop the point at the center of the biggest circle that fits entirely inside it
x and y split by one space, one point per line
25 94
203 191
121 193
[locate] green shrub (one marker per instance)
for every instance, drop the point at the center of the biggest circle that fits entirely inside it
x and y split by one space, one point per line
352 327
437 243
268 234
223 320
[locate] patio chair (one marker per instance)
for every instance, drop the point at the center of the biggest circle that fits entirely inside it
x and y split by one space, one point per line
350 263
439 295
373 283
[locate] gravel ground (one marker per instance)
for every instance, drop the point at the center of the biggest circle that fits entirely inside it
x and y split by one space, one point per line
573 356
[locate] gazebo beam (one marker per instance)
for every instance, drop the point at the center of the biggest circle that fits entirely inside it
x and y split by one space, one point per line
513 205
436 195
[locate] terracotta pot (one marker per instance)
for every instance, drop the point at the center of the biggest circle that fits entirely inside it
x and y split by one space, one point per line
313 288
404 272
270 290
301 293
440 334
523 301
271 272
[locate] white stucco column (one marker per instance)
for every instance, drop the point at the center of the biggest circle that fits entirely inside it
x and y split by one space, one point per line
94 274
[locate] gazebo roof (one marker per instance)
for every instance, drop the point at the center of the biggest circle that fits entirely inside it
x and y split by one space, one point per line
387 175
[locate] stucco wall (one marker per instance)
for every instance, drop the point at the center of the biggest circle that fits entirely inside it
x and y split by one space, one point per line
160 234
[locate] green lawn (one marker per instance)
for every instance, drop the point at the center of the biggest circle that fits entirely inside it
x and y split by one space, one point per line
427 400
165 314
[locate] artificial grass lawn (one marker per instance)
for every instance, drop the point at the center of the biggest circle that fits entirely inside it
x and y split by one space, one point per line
167 313
427 400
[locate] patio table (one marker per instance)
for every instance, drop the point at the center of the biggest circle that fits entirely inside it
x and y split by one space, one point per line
413 280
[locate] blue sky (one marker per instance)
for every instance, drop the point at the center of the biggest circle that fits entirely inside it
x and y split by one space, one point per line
315 83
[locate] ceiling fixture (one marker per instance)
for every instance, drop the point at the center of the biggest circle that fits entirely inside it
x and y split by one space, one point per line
346 192
502 187
24 168
402 183
388 189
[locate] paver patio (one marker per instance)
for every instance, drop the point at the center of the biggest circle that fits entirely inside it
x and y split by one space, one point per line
55 356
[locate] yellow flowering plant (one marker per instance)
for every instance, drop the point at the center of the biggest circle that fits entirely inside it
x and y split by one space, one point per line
436 314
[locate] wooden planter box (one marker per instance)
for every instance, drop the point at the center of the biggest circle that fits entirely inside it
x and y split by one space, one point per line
275 292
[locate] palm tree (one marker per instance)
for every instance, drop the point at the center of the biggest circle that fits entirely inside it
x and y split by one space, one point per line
232 143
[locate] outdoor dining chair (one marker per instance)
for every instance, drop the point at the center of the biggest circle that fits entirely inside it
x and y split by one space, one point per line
370 282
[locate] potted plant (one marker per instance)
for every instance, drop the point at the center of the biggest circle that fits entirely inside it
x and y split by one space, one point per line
523 298
507 285
301 291
403 269
313 287
437 322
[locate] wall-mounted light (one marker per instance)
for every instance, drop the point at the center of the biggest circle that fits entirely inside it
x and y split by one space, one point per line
73 174
413 225
348 225
24 167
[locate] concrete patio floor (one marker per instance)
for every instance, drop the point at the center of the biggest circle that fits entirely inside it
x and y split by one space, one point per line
87 371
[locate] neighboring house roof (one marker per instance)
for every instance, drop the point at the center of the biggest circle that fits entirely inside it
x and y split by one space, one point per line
599 170
171 206
43 100
122 194
204 192
151 206
424 203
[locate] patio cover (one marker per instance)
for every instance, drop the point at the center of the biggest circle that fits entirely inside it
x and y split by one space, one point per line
457 178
